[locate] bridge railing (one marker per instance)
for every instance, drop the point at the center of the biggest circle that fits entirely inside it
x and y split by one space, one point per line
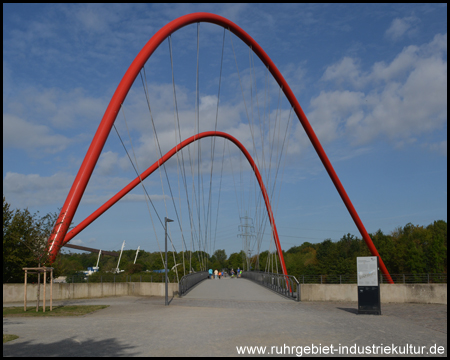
427 278
188 281
286 285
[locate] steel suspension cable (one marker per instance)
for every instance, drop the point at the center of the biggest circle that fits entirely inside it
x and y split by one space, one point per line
177 126
220 188
145 190
176 142
164 197
199 149
197 115
245 103
252 68
190 207
158 147
213 141
234 182
268 173
246 110
271 195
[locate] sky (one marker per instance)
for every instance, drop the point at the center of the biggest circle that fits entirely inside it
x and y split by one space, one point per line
371 79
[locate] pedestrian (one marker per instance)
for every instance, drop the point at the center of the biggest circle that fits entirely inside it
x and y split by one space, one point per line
220 274
210 274
216 273
232 273
238 273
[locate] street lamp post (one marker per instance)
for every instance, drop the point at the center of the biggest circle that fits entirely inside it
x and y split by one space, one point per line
166 220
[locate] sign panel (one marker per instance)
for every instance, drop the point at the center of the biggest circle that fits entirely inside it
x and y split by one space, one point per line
367 268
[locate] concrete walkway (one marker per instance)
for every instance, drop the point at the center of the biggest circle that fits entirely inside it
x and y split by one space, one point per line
233 289
199 326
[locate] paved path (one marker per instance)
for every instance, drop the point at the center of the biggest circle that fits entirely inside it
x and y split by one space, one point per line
194 326
233 289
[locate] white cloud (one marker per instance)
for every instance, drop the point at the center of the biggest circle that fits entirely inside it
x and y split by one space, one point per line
94 17
400 27
140 126
440 147
30 190
34 190
404 99
77 242
295 75
21 134
399 66
56 107
109 163
330 109
346 70
97 199
142 197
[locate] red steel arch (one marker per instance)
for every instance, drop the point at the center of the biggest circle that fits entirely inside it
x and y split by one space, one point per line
97 213
93 153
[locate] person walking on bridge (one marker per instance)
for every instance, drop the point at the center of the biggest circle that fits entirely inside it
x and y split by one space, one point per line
216 273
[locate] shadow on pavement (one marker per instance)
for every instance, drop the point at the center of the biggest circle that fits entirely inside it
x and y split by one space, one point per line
350 310
67 347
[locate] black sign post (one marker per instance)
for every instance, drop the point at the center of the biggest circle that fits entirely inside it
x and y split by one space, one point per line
368 285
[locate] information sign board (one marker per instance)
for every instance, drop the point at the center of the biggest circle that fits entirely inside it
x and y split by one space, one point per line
368 287
367 269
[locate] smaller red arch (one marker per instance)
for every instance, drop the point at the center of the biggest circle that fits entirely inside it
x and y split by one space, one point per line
97 213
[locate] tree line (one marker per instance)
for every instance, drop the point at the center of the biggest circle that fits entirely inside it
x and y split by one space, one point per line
411 249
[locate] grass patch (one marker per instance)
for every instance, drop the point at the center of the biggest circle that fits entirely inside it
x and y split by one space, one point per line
61 310
9 337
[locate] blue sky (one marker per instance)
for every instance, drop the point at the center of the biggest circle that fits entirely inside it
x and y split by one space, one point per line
372 80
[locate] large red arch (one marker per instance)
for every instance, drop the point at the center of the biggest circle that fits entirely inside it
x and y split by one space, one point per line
97 213
76 192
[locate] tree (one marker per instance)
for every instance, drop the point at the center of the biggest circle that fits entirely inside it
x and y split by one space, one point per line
24 241
221 258
235 260
328 257
133 268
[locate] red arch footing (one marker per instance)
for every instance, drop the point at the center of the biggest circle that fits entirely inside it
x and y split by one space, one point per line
91 158
81 226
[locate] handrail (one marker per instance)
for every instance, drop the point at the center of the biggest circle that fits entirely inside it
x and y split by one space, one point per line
421 278
286 285
188 281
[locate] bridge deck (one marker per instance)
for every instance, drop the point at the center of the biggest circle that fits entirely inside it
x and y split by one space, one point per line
233 289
